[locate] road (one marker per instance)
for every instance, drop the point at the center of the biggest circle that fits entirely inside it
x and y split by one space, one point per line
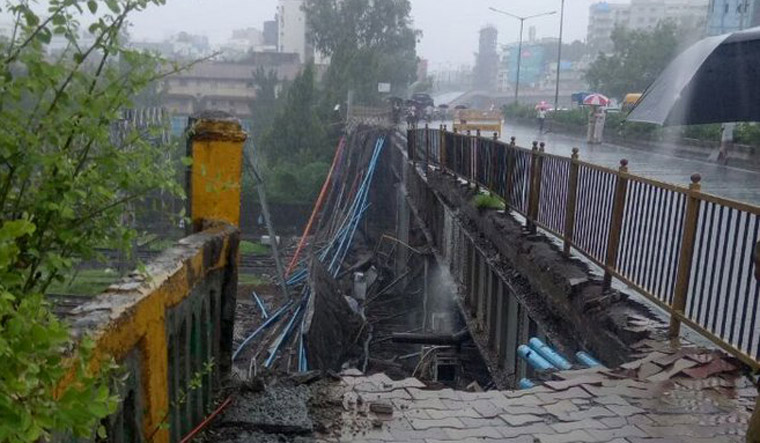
726 181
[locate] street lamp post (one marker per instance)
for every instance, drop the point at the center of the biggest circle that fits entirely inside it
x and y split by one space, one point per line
519 45
559 55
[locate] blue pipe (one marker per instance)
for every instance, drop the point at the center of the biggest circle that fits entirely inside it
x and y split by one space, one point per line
275 349
264 326
525 383
549 354
586 359
534 358
261 305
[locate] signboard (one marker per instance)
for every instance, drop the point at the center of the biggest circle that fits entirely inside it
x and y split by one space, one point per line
383 87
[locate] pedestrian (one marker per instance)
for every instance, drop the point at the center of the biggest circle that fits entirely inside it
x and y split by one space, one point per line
541 116
599 119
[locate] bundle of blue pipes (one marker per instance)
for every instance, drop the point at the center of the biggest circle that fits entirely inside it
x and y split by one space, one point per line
350 196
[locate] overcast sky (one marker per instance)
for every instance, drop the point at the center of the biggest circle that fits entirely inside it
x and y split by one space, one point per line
450 27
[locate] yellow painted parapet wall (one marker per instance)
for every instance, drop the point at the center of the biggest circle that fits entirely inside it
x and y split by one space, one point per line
163 325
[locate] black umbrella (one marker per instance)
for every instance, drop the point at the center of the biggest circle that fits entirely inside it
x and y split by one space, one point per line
716 80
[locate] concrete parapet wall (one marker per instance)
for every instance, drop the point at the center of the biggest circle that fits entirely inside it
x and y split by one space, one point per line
163 326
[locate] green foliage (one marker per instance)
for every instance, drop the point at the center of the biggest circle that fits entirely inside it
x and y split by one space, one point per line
368 42
488 201
637 59
513 110
85 282
253 248
747 134
64 178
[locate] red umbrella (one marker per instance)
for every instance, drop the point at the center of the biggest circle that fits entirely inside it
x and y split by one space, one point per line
542 105
596 100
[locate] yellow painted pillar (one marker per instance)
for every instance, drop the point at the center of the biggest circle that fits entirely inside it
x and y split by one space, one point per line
215 144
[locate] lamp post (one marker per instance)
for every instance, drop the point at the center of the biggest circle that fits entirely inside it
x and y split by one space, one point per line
559 55
519 45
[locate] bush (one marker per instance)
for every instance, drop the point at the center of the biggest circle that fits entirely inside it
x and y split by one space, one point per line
65 176
488 201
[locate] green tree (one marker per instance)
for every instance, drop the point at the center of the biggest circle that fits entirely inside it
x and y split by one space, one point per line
638 57
264 106
64 178
368 42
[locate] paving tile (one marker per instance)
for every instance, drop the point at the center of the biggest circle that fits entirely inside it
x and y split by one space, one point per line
570 437
458 413
590 379
481 422
532 429
527 400
595 412
430 403
420 413
523 392
487 395
486 432
583 424
561 408
520 420
640 419
485 408
572 393
517 410
624 432
678 366
422 424
575 373
581 401
611 400
625 411
614 422
422 394
410 435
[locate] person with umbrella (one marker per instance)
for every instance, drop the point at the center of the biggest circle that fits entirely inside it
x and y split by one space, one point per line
597 116
541 115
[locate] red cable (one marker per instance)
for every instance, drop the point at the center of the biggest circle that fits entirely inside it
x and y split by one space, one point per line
317 206
206 421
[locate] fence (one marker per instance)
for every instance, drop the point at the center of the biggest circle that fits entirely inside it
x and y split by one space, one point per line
689 252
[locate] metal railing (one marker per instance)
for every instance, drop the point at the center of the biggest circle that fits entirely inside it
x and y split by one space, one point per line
689 252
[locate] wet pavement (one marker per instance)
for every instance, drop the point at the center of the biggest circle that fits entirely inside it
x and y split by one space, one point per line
725 181
667 395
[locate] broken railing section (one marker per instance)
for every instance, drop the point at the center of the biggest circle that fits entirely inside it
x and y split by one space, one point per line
689 252
318 320
170 327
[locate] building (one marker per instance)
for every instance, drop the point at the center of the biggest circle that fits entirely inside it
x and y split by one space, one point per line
724 16
487 60
641 15
603 18
223 86
270 33
292 30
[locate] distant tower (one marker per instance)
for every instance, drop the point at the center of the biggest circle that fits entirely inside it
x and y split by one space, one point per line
291 23
487 60
531 34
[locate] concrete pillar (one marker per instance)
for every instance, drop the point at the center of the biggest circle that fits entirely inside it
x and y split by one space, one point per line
482 292
215 144
491 307
475 282
500 339
512 325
